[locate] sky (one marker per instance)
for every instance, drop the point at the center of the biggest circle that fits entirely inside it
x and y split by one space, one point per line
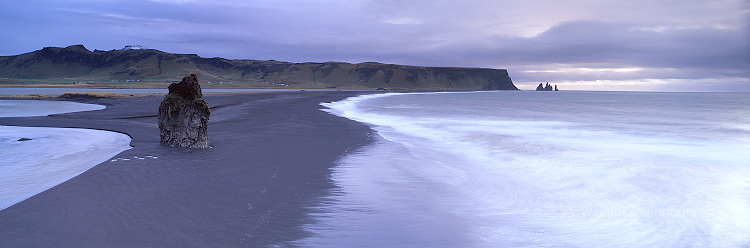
633 45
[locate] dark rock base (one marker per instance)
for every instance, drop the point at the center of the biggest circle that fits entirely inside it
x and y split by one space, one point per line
183 115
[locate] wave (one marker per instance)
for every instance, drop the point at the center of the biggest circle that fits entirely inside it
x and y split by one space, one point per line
34 159
462 170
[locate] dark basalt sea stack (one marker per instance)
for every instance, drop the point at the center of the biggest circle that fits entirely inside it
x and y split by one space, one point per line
541 87
183 115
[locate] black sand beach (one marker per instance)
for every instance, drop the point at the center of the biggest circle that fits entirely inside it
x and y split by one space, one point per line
270 161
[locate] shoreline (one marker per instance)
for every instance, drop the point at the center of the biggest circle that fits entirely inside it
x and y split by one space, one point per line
269 164
35 159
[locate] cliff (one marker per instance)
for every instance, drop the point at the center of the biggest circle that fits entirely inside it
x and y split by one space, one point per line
78 63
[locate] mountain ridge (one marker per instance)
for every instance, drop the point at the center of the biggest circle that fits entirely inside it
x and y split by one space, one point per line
76 62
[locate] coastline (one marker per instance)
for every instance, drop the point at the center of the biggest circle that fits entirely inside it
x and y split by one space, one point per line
269 164
34 159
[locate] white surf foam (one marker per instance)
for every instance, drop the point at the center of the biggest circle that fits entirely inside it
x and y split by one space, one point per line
51 155
447 179
21 108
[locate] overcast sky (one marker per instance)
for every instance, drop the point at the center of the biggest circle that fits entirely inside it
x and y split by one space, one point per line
685 45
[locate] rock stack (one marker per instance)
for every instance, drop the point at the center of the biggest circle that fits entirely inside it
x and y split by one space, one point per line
541 87
183 115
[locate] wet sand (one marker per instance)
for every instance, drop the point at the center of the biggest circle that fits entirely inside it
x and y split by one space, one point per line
269 163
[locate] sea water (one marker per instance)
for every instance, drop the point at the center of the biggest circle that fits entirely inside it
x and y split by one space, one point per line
34 159
27 108
542 169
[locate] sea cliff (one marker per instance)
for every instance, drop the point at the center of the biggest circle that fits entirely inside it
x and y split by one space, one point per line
78 63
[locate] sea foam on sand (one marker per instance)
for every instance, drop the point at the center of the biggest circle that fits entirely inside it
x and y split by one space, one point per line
52 155
530 169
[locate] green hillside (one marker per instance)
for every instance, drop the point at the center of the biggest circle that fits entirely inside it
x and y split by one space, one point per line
153 68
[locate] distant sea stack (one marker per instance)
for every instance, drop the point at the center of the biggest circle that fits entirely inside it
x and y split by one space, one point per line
542 87
139 63
183 115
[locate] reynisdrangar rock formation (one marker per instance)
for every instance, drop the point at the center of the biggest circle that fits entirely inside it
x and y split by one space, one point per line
183 115
541 87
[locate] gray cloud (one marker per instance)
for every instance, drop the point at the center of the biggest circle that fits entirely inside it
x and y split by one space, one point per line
537 40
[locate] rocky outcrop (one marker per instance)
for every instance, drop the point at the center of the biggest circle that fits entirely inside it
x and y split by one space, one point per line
541 87
183 115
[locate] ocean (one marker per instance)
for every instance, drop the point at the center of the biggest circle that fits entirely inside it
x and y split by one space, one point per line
542 169
34 159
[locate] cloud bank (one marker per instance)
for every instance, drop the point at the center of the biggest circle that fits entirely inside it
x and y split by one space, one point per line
580 44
